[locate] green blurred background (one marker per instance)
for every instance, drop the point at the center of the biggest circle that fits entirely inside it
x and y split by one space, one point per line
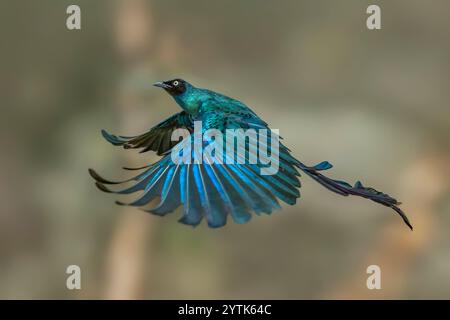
373 103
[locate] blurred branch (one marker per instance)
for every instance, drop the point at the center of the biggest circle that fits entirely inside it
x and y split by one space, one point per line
126 257
125 262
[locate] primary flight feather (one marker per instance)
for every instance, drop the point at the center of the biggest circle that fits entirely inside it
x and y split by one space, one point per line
214 190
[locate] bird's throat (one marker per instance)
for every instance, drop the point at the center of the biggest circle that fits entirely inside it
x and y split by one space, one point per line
188 103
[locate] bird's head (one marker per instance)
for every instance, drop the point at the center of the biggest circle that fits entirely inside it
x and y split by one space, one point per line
174 87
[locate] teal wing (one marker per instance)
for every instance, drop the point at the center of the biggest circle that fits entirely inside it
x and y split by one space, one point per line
213 190
157 138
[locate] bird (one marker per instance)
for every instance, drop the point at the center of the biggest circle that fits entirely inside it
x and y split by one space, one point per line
211 190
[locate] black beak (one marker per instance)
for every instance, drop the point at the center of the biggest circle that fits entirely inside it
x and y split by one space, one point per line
162 85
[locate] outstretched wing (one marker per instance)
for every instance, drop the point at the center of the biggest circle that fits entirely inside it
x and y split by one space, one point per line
210 189
157 138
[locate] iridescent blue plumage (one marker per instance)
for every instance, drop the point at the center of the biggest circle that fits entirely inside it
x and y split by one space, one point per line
211 190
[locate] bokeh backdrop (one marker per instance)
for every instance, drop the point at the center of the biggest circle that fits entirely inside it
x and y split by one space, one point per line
373 103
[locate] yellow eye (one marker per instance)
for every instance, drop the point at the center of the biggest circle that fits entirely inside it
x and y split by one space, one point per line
175 83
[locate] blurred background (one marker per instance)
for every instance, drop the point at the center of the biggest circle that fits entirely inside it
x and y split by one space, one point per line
373 103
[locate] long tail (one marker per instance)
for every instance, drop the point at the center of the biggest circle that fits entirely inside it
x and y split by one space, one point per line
343 188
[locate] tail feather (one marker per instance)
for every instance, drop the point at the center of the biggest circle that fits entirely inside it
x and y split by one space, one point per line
343 188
